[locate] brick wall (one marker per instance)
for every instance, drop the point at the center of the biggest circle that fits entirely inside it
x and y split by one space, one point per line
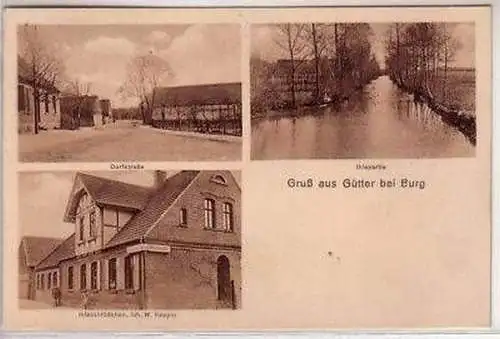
186 278
168 229
103 297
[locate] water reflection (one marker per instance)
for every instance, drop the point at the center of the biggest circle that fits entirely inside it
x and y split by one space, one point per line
380 121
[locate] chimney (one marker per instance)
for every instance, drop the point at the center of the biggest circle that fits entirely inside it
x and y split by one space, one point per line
159 178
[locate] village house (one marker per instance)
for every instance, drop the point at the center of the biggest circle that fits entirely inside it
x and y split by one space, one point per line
176 245
49 116
105 110
209 108
32 250
80 111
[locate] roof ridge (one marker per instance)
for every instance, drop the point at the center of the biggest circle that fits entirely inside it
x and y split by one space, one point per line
113 180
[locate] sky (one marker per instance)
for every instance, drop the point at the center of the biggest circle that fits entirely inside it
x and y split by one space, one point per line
98 54
43 197
264 45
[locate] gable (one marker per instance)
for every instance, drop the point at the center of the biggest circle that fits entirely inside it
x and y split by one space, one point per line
105 192
208 185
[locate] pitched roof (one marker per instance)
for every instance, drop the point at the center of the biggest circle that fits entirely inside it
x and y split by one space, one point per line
37 248
211 94
64 251
116 193
160 201
110 192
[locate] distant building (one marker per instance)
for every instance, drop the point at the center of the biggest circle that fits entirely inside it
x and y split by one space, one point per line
176 245
105 110
49 113
80 111
213 108
32 251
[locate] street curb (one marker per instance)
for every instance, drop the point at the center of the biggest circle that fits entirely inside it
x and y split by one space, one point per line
213 137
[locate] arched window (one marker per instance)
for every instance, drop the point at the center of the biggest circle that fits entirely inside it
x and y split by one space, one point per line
219 179
223 279
93 275
83 277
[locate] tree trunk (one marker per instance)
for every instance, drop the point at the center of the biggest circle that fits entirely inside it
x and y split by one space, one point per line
292 65
316 63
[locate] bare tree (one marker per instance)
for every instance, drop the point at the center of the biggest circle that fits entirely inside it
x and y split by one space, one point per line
44 67
79 92
291 39
144 74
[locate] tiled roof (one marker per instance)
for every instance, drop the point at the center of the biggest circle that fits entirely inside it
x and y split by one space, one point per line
160 201
37 248
212 94
115 193
64 251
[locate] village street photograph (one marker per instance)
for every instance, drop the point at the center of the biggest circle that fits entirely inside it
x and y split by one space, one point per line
89 93
130 240
363 90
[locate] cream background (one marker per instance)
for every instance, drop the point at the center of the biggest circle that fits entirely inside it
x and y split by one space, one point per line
418 259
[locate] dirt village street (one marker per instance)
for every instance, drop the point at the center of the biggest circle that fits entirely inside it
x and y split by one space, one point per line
125 141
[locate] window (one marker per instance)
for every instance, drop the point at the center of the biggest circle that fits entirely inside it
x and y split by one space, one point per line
54 279
49 280
70 278
42 285
93 226
81 227
209 213
112 274
83 277
38 281
219 179
183 217
228 216
129 272
93 275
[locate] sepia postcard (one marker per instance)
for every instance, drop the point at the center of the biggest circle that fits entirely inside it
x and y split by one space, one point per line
247 169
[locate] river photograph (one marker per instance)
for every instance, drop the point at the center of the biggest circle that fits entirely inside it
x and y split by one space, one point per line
360 90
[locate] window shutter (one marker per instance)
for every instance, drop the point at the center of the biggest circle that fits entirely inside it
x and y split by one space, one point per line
105 274
120 273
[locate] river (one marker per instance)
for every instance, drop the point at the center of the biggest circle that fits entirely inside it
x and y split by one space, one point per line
379 121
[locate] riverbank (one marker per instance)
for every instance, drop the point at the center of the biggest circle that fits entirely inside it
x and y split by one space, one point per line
308 109
464 121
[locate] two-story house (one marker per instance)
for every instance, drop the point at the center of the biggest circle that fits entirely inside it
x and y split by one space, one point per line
176 245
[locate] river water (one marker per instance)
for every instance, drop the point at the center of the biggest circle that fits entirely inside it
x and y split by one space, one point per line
380 121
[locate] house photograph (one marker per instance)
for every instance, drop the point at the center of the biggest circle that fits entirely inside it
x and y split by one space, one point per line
171 90
130 240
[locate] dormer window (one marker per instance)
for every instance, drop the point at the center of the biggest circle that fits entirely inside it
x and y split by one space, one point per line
219 179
